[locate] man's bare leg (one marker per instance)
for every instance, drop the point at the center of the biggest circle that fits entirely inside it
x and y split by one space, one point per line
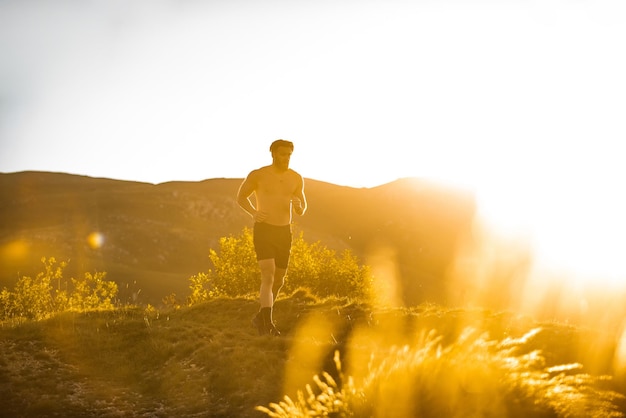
279 281
268 270
263 320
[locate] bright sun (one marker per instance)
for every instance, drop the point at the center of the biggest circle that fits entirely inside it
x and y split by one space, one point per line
576 235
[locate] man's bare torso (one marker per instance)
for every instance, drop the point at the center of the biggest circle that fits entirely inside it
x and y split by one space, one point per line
274 191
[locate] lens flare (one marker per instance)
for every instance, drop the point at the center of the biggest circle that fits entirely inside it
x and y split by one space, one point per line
95 240
312 343
386 288
15 249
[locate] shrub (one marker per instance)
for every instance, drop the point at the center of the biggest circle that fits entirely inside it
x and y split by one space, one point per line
93 292
34 298
235 270
7 304
313 266
42 297
320 269
198 285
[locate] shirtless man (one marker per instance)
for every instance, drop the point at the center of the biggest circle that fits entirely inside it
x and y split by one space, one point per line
278 191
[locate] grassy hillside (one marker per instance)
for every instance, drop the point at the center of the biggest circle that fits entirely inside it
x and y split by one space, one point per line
154 237
206 361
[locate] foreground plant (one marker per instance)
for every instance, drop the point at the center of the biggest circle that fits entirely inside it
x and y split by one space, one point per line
328 400
474 376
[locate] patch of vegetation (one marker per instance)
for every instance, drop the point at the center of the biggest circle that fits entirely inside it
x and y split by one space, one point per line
474 376
207 360
313 266
71 350
49 293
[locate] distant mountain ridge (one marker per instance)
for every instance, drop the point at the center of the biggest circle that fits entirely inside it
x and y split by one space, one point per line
154 237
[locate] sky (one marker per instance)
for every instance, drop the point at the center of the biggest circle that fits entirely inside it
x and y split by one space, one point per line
520 102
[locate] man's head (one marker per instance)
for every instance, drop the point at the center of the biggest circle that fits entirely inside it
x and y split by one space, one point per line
281 153
281 143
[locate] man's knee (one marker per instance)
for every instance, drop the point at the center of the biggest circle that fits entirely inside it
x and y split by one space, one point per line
268 270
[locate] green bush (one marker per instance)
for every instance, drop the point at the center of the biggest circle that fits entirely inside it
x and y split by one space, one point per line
320 269
198 285
235 270
313 266
35 298
93 292
42 297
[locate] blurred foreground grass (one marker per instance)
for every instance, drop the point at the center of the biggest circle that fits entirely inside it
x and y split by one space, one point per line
207 361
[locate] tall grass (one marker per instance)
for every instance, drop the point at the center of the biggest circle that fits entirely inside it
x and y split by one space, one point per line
433 375
473 377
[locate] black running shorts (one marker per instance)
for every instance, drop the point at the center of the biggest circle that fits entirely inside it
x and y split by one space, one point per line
272 241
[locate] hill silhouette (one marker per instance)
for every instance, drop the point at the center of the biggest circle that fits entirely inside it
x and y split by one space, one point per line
154 237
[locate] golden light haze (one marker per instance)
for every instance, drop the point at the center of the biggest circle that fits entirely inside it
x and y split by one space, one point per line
519 102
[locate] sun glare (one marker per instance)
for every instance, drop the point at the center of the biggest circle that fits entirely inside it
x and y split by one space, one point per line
575 230
17 249
95 240
582 238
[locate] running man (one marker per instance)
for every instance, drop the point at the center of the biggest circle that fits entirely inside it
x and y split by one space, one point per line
278 191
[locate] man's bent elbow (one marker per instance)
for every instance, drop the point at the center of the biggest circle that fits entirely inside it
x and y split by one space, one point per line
242 201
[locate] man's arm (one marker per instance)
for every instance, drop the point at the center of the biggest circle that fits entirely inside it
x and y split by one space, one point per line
299 200
245 190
